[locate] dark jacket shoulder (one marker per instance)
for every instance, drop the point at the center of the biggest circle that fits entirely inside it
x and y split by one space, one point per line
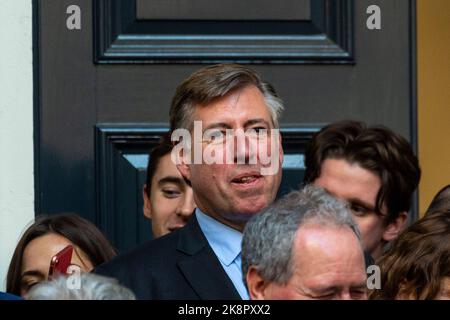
180 265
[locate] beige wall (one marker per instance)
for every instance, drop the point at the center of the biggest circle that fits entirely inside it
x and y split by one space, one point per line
433 58
16 126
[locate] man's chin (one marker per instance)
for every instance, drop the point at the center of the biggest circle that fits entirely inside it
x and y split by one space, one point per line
250 208
238 216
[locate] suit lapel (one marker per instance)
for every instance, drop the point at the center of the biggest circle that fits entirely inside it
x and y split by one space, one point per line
200 266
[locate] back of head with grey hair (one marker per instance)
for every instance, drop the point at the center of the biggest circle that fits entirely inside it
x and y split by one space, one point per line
91 287
269 236
214 82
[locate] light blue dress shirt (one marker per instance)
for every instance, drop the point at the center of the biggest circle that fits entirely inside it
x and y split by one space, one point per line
226 244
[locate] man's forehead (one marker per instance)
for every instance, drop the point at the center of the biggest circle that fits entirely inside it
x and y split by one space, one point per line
324 244
233 120
348 181
241 106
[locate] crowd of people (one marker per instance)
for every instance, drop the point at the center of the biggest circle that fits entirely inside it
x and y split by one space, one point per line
219 231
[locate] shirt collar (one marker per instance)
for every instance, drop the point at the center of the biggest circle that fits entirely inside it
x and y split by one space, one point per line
225 241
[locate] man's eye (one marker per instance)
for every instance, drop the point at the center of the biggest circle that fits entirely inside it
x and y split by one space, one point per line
214 136
358 295
259 130
28 286
171 193
328 296
359 211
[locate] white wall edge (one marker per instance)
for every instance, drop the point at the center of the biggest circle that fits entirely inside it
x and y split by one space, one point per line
16 126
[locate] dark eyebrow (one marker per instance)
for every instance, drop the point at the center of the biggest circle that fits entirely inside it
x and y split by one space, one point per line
32 273
246 124
171 179
322 290
256 121
361 203
217 125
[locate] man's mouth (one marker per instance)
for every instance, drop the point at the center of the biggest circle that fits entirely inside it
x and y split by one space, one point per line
246 179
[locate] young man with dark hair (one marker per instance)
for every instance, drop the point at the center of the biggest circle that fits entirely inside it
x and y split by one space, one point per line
168 199
374 169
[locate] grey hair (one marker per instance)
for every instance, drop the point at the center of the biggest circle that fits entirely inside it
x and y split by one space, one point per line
92 287
269 236
216 81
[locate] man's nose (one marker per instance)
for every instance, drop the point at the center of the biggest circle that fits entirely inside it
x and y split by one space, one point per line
187 205
345 296
245 148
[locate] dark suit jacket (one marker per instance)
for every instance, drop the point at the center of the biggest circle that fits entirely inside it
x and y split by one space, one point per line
180 265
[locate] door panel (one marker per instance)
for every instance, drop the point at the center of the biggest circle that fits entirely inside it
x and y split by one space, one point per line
286 31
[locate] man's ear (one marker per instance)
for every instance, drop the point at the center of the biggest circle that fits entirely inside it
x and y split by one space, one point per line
281 149
185 170
181 158
256 284
394 228
147 208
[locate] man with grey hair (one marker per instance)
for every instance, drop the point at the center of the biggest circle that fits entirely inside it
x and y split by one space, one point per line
305 246
87 287
202 260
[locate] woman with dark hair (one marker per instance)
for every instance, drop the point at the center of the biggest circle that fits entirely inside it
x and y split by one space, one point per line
45 238
441 201
417 267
